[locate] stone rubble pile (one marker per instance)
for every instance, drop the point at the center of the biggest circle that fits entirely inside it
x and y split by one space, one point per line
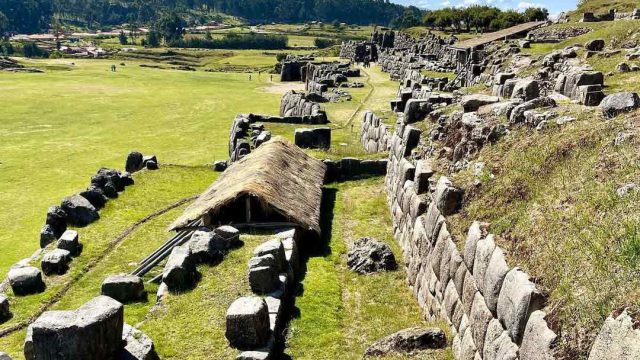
367 255
136 162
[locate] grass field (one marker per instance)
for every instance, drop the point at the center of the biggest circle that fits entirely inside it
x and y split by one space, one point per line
342 313
62 125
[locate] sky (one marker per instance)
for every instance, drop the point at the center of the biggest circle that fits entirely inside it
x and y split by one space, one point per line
554 6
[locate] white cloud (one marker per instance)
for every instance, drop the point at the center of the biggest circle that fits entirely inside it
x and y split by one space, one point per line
523 5
446 3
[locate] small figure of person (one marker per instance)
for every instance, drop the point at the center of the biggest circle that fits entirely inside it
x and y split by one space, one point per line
271 79
249 77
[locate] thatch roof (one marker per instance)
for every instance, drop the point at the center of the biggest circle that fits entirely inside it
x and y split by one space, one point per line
279 174
498 35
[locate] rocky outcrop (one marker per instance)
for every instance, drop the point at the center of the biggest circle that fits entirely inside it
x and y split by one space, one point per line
408 342
368 256
619 103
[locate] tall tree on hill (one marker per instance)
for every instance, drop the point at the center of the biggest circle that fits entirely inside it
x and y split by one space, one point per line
536 14
170 26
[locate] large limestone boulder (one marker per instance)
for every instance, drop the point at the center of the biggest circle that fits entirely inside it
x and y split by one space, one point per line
619 103
93 331
264 279
519 297
473 102
618 340
55 262
180 271
247 323
25 280
408 341
368 255
138 346
4 356
124 288
95 196
538 341
79 211
47 236
275 248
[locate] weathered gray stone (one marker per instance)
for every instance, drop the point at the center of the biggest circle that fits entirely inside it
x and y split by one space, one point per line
55 262
368 255
504 348
229 233
501 78
134 162
473 236
447 197
69 241
4 356
494 330
619 103
526 90
93 331
538 341
247 323
518 298
264 279
57 219
180 271
484 251
47 235
274 247
517 115
479 319
493 278
5 311
408 341
450 299
25 280
79 211
316 138
618 339
138 346
469 291
423 173
467 347
95 196
473 102
594 45
264 260
124 288
207 247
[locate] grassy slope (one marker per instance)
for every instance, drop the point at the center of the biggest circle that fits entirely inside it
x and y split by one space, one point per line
614 34
553 204
152 191
603 6
341 312
61 126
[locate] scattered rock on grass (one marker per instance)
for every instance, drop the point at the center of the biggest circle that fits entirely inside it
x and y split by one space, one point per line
368 255
26 280
138 346
247 323
408 341
124 288
55 262
79 211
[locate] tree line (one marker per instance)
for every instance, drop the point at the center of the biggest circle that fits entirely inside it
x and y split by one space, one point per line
480 18
30 16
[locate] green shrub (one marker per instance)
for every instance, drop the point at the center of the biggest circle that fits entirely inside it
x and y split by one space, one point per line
31 50
323 43
235 41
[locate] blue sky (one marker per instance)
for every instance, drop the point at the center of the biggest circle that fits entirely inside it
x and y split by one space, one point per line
554 6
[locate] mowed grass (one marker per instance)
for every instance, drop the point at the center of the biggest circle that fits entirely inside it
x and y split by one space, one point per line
554 207
153 191
59 127
341 313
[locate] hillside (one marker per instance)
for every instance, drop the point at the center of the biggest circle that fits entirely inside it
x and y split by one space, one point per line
603 6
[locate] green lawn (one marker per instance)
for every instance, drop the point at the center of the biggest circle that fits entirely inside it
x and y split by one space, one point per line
59 127
341 312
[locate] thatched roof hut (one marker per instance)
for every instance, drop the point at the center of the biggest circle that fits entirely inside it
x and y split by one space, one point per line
277 182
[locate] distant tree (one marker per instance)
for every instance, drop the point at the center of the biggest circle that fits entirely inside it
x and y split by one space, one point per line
536 14
335 24
123 38
4 24
6 48
31 50
208 36
153 39
506 19
170 27
323 43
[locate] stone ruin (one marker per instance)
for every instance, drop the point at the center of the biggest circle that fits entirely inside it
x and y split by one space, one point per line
359 51
291 68
96 330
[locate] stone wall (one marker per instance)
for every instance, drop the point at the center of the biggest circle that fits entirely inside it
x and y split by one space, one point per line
374 134
359 51
494 311
350 168
297 104
331 74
